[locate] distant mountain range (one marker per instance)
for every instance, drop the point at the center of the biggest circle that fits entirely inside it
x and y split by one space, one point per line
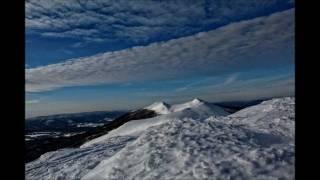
75 122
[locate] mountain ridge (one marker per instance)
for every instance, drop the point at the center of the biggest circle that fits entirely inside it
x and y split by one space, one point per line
254 143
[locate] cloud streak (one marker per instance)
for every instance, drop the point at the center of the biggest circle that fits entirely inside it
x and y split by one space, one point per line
228 80
252 91
223 49
241 89
138 21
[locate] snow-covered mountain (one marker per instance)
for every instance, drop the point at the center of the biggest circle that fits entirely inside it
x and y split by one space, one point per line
196 109
159 107
196 105
193 140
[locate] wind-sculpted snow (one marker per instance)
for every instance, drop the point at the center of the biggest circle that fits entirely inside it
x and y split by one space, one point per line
159 107
73 163
193 109
209 149
274 116
254 143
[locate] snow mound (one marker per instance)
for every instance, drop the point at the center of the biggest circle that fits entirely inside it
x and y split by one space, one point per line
276 116
196 105
202 107
159 107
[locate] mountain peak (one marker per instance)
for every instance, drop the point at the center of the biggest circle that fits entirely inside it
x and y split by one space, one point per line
197 100
159 103
159 107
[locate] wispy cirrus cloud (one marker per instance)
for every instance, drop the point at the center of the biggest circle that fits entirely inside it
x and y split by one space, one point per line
228 80
231 79
231 87
252 89
139 21
227 48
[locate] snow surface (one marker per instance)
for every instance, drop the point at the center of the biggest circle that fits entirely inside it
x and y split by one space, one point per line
159 107
200 105
73 163
189 143
193 109
131 128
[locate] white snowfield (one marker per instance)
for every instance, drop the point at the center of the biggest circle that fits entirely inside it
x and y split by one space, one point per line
189 143
200 110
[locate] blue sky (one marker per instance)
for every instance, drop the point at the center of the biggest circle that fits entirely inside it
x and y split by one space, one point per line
110 55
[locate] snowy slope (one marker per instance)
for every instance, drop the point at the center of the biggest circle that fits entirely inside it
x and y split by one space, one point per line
159 107
131 128
194 103
195 109
189 143
275 116
211 149
73 163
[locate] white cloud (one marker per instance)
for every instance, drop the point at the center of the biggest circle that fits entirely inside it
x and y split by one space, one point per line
137 21
232 46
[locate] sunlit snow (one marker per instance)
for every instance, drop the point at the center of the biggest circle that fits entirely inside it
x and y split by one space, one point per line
188 141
